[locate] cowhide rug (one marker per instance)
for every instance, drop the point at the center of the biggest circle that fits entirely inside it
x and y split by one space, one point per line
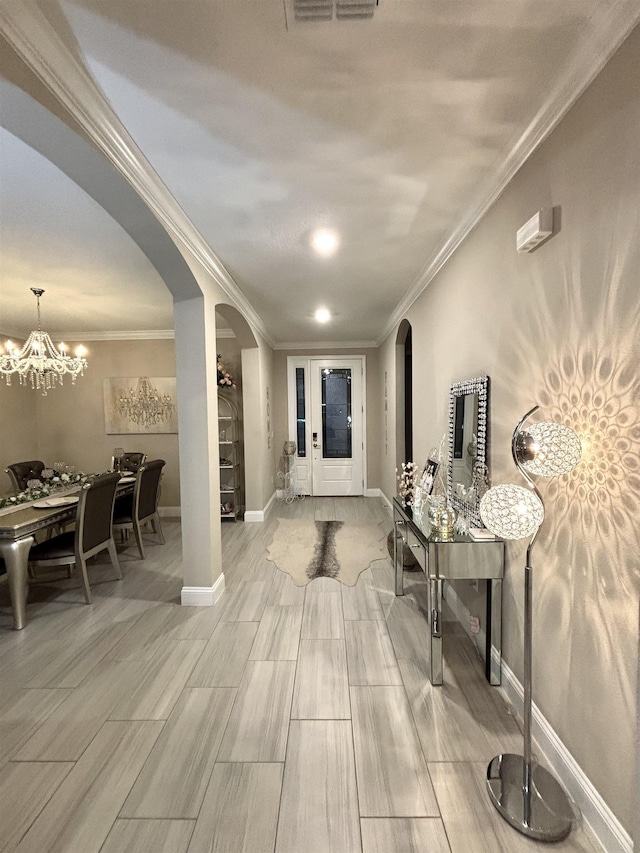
307 549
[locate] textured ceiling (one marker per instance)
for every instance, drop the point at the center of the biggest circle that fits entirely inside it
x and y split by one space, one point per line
389 131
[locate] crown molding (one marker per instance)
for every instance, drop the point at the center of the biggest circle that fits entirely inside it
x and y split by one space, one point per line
324 345
28 31
130 335
609 26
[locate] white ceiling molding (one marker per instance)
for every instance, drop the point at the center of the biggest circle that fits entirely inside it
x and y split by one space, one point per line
30 34
324 345
225 333
132 335
610 25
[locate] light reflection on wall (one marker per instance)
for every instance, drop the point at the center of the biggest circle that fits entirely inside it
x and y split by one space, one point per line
583 372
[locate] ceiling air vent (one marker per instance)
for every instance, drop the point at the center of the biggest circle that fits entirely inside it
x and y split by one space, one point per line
331 10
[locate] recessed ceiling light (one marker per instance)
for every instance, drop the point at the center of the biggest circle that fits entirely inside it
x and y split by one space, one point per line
324 241
323 315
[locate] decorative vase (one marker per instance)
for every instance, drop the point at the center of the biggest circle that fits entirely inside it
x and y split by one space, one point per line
444 519
436 503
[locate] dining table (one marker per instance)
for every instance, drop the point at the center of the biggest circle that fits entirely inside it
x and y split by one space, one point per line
18 529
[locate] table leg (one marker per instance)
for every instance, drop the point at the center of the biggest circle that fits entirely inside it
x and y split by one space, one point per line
435 609
493 650
398 556
15 556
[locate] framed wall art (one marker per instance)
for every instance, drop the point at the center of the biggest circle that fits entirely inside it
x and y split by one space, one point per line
142 405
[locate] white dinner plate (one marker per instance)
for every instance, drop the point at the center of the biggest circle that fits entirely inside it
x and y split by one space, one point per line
127 479
51 503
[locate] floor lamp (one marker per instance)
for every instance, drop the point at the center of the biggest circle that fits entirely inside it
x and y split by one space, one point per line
525 794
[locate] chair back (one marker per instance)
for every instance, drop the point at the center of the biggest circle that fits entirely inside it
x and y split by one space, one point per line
130 462
147 489
21 472
95 511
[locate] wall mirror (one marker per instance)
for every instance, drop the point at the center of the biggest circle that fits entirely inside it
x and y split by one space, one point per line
468 418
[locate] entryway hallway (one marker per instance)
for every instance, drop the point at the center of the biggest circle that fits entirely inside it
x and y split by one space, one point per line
283 720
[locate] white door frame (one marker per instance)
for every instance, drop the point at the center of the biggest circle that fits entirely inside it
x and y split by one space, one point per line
304 361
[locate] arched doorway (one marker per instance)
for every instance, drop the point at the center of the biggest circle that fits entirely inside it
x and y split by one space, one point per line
38 125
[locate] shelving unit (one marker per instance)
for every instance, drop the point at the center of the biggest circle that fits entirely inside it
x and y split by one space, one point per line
229 460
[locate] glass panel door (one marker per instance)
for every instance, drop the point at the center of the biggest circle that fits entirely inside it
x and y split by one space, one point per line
301 422
336 413
326 419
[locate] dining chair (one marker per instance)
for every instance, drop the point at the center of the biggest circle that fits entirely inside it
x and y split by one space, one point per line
21 472
131 511
129 462
93 532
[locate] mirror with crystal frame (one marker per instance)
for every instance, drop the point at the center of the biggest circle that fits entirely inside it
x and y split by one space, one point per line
468 418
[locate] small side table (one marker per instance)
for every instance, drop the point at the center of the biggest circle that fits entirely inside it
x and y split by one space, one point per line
461 559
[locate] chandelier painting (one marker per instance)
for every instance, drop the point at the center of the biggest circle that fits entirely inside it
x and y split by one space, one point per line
142 405
145 406
39 363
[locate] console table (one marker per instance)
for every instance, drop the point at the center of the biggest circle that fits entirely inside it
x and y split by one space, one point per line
461 559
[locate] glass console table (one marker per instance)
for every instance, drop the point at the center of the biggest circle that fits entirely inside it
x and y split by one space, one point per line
461 559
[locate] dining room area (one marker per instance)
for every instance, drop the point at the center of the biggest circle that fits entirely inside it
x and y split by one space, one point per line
57 519
53 445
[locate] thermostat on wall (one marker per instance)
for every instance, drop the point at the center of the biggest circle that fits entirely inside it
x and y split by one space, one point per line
535 231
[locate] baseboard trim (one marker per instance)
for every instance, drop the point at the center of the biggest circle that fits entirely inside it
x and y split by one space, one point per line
372 493
170 512
253 515
603 825
385 500
202 596
270 504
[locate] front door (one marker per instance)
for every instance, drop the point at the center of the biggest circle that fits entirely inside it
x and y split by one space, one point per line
328 408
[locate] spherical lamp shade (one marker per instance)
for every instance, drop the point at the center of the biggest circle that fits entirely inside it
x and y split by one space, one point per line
553 449
511 512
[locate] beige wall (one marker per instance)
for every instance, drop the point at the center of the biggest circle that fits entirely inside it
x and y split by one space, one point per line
560 327
280 422
68 424
263 431
18 429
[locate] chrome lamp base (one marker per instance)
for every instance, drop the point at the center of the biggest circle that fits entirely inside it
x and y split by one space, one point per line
543 812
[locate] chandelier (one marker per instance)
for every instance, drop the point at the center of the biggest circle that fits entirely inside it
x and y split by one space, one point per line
145 406
39 362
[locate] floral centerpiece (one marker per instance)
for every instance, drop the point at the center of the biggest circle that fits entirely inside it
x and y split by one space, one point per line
51 485
407 481
225 380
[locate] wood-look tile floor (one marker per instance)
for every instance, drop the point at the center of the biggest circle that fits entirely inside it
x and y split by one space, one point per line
283 720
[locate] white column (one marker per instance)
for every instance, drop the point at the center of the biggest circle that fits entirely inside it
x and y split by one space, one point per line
203 581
